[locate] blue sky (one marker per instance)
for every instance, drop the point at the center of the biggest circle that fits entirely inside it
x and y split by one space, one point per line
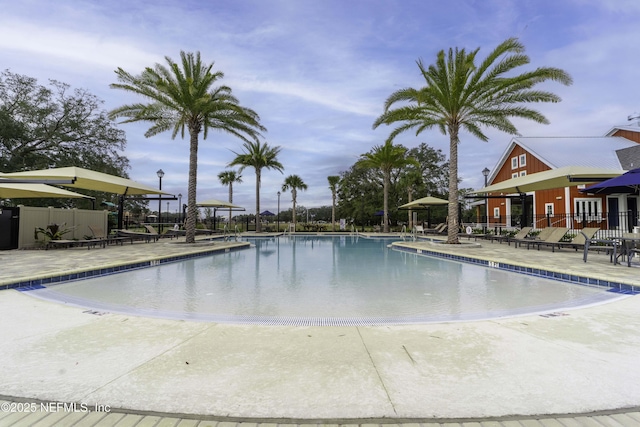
318 72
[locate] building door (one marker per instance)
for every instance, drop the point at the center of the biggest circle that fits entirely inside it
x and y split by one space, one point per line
9 224
632 212
613 213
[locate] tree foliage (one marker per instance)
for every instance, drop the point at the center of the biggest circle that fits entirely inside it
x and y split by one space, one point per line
460 95
183 95
258 156
57 126
294 183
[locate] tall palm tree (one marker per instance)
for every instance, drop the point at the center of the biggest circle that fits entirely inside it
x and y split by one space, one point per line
460 95
334 180
386 157
294 183
228 178
258 156
183 95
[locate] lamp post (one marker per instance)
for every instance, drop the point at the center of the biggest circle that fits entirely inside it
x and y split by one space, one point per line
278 217
485 173
167 211
180 208
160 174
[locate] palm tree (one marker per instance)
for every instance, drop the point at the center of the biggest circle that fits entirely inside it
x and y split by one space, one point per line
412 180
294 183
184 96
460 95
334 180
386 158
258 156
228 178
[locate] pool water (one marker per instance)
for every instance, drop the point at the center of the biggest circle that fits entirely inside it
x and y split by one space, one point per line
314 280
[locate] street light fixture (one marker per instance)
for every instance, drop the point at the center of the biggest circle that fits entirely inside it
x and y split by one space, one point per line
160 174
485 173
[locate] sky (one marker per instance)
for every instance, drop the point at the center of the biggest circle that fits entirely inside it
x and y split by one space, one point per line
318 73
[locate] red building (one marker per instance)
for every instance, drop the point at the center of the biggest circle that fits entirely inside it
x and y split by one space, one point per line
619 150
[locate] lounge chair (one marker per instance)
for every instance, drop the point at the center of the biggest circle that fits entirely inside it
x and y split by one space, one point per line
579 239
520 235
542 235
553 239
419 229
440 229
611 246
100 235
431 230
150 235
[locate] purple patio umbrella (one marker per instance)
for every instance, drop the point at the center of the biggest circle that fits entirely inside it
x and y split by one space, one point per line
627 183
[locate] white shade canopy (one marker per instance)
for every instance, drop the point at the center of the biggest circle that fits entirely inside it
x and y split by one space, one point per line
28 191
89 180
554 178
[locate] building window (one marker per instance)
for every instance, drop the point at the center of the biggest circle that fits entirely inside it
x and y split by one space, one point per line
496 212
514 175
548 209
591 209
523 160
523 173
514 163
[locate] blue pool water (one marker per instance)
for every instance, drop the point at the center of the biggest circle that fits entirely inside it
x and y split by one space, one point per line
315 280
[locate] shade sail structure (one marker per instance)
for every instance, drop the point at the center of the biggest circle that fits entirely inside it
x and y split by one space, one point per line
567 176
89 180
627 183
424 202
218 204
29 191
267 213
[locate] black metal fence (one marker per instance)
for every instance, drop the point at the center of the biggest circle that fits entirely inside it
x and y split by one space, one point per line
610 224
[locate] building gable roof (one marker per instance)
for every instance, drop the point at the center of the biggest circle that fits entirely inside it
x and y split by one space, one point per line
557 152
630 128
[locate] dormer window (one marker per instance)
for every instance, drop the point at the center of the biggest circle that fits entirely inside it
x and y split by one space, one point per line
523 160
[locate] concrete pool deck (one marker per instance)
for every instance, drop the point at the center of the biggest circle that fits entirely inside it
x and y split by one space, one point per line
557 369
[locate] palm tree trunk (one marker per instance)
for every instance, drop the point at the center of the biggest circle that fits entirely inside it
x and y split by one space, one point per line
410 197
191 191
230 201
293 199
258 225
452 223
385 217
333 211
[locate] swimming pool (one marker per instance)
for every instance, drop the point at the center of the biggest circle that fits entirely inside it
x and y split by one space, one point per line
314 280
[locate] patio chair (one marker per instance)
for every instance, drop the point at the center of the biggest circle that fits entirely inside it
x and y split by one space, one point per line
419 229
552 239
